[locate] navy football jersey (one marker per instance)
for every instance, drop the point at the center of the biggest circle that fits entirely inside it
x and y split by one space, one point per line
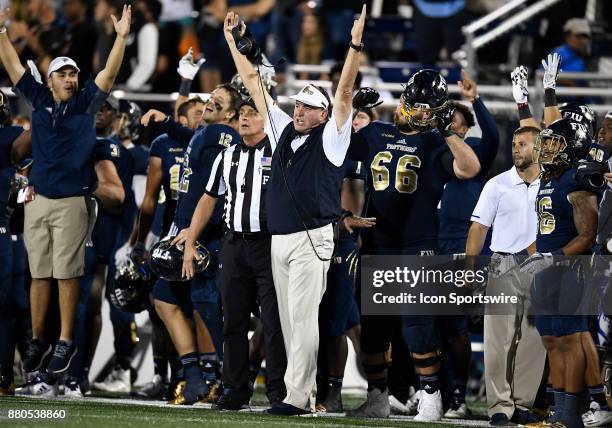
171 154
199 157
8 134
140 155
556 226
405 180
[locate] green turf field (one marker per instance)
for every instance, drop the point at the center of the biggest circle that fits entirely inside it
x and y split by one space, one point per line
112 413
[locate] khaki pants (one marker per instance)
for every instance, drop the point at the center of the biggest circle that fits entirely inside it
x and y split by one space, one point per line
55 231
513 352
300 281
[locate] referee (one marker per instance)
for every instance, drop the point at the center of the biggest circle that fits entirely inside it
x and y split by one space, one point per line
242 173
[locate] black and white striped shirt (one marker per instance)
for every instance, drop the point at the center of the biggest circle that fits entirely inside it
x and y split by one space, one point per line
241 173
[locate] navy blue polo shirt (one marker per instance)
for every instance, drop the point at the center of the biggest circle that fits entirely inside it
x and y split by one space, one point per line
63 138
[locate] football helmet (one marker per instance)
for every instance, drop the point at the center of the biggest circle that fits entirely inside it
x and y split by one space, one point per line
563 143
5 110
131 287
424 97
580 113
268 78
129 120
166 260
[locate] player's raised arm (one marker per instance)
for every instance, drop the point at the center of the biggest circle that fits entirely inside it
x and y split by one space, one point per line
243 65
8 54
520 93
344 93
106 78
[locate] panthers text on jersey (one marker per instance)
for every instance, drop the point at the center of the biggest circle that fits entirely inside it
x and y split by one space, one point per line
171 154
405 180
198 160
556 226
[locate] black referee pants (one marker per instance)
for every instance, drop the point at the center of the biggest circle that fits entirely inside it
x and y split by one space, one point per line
246 279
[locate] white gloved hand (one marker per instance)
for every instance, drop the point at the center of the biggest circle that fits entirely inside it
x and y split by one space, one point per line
123 254
519 84
34 71
187 69
551 70
537 262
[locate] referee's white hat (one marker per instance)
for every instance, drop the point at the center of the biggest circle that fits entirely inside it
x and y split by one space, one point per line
61 62
312 96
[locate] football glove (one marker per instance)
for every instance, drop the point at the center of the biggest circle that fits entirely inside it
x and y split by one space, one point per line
537 262
551 70
34 71
187 69
519 84
366 98
591 173
445 118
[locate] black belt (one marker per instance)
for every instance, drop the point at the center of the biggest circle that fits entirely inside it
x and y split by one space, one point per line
520 253
248 236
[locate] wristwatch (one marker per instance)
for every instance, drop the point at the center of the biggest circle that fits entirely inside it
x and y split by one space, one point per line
358 47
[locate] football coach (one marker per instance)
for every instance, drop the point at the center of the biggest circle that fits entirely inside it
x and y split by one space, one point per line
56 213
303 201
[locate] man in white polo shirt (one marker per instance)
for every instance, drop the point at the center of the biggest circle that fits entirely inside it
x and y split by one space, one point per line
507 203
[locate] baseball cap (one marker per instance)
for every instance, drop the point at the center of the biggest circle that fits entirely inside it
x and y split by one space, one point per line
61 62
577 26
247 102
312 96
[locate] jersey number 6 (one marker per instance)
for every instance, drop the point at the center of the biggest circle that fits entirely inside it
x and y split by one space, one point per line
405 178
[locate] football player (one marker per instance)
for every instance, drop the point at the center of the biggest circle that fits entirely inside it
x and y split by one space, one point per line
13 297
163 174
567 225
409 163
173 301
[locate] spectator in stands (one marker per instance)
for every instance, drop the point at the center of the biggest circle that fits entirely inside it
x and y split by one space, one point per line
577 47
312 45
339 16
437 25
141 53
81 37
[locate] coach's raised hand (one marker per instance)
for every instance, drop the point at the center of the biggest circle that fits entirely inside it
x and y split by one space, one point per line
122 27
106 77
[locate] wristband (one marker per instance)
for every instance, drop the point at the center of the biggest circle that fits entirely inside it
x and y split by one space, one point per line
449 133
185 87
524 112
2 30
550 98
358 47
558 252
345 214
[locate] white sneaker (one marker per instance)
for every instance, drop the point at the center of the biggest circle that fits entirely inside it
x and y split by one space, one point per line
397 407
73 390
38 389
458 412
430 407
118 380
413 403
596 417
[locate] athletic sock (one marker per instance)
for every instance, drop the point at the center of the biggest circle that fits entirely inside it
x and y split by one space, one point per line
430 383
176 370
160 367
380 384
571 408
559 405
459 393
190 363
335 381
209 362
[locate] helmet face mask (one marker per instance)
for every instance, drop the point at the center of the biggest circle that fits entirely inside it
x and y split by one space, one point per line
131 287
549 150
421 116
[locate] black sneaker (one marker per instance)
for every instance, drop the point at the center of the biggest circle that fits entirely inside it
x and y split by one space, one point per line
284 409
229 401
62 356
333 401
524 417
499 420
35 353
